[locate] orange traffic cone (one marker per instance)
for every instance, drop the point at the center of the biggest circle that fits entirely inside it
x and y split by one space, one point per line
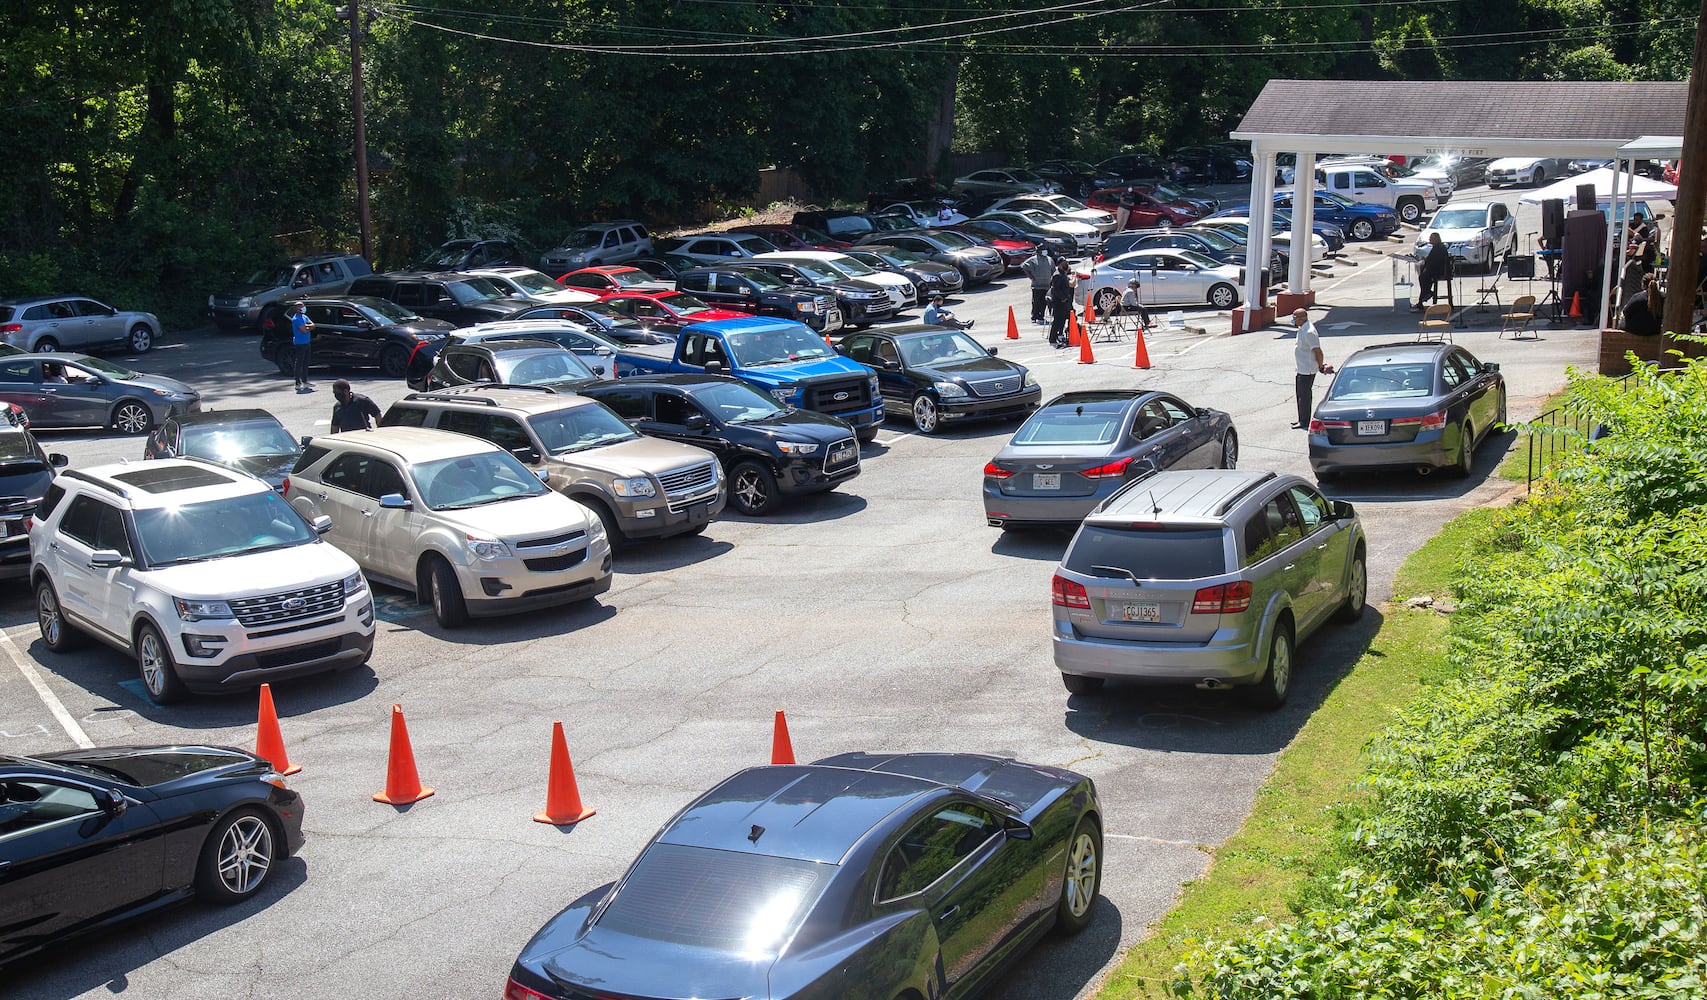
1085 355
827 342
782 749
1576 305
1143 358
269 742
1074 337
1013 327
562 799
1090 311
402 782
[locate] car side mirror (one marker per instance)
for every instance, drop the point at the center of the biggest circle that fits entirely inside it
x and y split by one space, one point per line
305 439
1203 411
59 461
1343 510
889 365
992 351
543 475
320 524
602 352
526 454
362 324
698 422
112 802
1490 367
107 559
1015 829
395 501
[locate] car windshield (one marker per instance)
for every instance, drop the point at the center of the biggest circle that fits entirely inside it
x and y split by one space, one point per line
387 311
470 291
212 529
821 274
939 349
1035 217
953 240
533 281
243 439
474 480
1162 192
899 256
754 244
1066 204
850 267
589 426
445 258
631 276
1384 381
1148 553
701 897
583 239
763 278
777 346
1069 424
1339 201
683 303
811 235
1196 258
736 403
542 368
1214 239
1459 218
271 276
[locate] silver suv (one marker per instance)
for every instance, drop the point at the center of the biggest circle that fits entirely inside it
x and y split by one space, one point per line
598 243
1209 577
268 288
455 519
640 487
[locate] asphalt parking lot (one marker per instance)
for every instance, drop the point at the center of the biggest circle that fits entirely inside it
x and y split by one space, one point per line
885 616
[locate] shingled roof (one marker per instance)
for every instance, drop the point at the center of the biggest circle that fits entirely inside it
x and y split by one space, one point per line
1428 114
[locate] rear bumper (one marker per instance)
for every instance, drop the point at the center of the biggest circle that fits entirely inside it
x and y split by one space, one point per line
1229 658
1001 508
1428 450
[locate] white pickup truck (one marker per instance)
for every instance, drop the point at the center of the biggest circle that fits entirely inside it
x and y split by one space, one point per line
1474 232
1411 198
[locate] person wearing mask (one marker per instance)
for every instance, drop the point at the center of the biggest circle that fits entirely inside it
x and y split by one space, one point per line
1038 267
1436 267
936 314
352 411
301 344
1060 304
1307 355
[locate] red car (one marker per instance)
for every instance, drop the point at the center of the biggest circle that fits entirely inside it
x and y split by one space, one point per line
1147 210
607 279
793 237
1014 250
667 312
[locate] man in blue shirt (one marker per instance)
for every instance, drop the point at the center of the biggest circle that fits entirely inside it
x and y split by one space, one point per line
937 315
301 335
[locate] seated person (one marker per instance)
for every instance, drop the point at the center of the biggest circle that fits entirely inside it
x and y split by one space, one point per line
936 314
54 374
1129 304
1644 313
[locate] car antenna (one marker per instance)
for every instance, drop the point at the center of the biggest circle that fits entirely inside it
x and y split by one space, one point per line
757 832
1155 508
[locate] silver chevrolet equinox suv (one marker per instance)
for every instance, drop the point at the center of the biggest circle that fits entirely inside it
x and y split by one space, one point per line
1208 577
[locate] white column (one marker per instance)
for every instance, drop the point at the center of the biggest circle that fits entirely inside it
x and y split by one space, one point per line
1609 277
1262 208
1303 217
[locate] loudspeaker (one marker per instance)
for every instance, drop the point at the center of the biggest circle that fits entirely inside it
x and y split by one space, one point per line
1553 222
1520 266
1585 197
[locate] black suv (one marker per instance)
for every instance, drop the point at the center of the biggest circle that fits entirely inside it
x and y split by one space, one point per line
460 299
762 293
767 451
842 225
464 255
352 332
509 362
25 474
861 302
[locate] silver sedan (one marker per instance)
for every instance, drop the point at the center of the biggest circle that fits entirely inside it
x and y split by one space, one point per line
1166 277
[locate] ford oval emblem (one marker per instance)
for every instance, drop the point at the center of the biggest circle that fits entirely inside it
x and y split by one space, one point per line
294 604
840 397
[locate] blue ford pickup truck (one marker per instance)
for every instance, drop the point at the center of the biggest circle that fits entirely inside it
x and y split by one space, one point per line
776 356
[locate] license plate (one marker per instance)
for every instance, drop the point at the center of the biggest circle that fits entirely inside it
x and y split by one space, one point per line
699 513
1371 428
1046 480
841 455
1141 611
833 319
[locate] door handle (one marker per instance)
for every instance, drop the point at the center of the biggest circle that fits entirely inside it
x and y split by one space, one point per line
53 546
367 513
950 912
324 497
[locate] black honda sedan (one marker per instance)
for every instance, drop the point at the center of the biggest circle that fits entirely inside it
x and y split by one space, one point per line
88 837
858 876
933 375
353 332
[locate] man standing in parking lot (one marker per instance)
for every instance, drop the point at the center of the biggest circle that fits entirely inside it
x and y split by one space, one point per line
1038 268
301 337
1307 353
1060 304
352 411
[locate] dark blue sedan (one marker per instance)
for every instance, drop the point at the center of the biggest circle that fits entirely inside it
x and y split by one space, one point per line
1359 221
858 876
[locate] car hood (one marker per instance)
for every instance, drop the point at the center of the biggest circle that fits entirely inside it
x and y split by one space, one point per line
976 370
423 327
528 517
1455 234
804 425
713 314
239 291
604 961
255 574
163 769
157 382
805 370
639 457
271 468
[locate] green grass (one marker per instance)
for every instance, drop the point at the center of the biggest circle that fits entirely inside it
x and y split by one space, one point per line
1289 835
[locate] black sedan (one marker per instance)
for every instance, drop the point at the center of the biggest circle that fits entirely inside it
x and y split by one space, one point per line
88 837
927 276
933 375
251 441
353 332
1421 406
507 361
860 876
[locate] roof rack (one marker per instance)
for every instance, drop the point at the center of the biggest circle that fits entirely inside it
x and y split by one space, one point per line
108 485
1227 504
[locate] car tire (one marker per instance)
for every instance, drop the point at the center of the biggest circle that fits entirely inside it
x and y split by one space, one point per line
283 361
393 361
237 858
1230 451
613 530
866 435
1271 691
1410 209
752 489
1076 683
131 416
1223 295
1356 589
154 665
1466 458
46 345
1362 229
1500 421
1081 878
1107 300
444 593
926 417
1539 179
141 339
57 634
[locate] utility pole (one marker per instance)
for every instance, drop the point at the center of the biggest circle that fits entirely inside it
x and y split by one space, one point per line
1682 275
353 13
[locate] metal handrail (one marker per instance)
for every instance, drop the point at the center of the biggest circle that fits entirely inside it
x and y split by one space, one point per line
1568 416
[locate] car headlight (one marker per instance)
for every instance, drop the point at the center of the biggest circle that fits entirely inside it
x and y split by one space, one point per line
950 390
631 488
797 447
1029 380
807 307
201 611
782 393
872 382
354 584
487 549
595 528
245 302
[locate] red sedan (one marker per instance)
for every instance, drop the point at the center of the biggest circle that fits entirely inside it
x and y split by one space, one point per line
1147 210
611 278
667 312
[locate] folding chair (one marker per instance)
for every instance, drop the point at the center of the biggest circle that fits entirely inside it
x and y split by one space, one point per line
1520 320
1436 323
1490 290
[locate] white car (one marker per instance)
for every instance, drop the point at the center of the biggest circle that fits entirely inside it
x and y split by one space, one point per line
1086 238
902 292
1061 207
1474 233
526 283
203 573
718 248
922 214
1531 170
1166 277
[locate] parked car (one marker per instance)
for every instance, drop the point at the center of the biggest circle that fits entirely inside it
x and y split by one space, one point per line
861 303
664 266
1218 246
1075 177
507 362
1357 220
1205 577
767 452
1019 230
1061 207
458 299
669 311
75 390
599 318
757 292
978 265
319 274
1165 277
927 275
1137 167
250 441
1013 250
1281 242
717 248
923 875
838 224
933 376
1420 406
921 214
639 487
1086 239
48 323
595 351
1280 223
1531 170
525 283
1209 165
465 255
901 292
1474 233
1081 448
26 470
457 520
1002 182
598 243
1143 209
203 574
358 331
605 279
1197 203
96 836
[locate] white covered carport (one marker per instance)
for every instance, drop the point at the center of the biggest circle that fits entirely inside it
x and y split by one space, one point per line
1570 120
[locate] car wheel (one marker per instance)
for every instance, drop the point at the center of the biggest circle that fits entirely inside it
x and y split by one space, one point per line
1223 295
1082 878
613 530
394 361
141 338
1076 684
925 416
752 489
1501 419
284 363
1362 229
57 634
46 345
867 435
1466 451
1410 209
1270 692
1540 178
154 663
444 593
131 417
1230 451
1107 300
237 858
1356 589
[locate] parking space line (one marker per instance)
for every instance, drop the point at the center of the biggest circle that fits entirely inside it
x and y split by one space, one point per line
54 705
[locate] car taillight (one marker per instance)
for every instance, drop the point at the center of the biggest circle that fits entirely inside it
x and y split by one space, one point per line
516 991
1430 422
1098 258
1223 599
995 471
11 327
1112 469
1067 594
1084 277
1318 426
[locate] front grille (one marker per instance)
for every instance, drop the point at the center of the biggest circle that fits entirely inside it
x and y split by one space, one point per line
540 543
689 479
996 386
841 455
825 302
553 564
298 654
838 395
289 605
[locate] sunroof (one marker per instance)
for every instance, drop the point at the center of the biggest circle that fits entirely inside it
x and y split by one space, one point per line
167 479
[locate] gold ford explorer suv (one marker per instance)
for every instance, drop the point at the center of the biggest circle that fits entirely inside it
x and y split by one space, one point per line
640 487
459 521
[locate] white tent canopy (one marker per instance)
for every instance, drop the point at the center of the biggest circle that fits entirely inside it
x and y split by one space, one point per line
1628 188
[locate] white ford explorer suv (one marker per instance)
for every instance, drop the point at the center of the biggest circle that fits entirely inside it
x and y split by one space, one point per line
203 573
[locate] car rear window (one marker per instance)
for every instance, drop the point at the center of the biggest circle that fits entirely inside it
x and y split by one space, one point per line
1074 425
6 313
715 899
1384 381
1158 553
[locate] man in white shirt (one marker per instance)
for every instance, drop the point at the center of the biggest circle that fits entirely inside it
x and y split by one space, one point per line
1307 353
